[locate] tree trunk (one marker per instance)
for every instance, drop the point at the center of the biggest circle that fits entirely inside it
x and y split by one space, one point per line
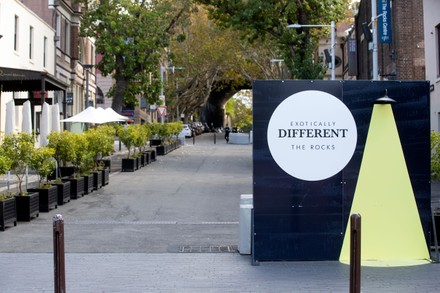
120 86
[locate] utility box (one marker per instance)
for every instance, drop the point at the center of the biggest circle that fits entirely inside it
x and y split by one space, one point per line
246 206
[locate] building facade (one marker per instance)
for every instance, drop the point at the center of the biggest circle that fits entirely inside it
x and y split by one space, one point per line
27 64
431 14
74 56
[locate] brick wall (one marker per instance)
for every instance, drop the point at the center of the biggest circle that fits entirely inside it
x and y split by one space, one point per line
404 58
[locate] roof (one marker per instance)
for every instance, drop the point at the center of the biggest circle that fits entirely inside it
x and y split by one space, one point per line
21 80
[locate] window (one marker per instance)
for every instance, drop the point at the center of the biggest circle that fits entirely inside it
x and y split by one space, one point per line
31 42
16 33
58 29
44 51
66 37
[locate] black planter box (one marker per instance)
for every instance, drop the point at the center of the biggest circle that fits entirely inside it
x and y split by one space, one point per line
128 165
105 176
48 198
67 171
152 153
76 186
147 157
88 183
107 163
138 163
97 180
28 206
163 149
63 192
155 142
143 161
8 213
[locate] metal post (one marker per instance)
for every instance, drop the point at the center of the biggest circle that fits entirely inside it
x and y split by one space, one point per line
162 96
27 175
215 138
58 254
332 27
355 253
333 42
374 33
434 230
194 139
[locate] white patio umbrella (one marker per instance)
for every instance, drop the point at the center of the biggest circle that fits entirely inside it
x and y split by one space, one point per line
56 118
89 115
115 115
10 117
110 116
26 122
45 125
96 116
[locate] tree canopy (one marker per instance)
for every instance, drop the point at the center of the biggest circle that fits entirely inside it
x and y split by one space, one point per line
131 36
267 20
228 49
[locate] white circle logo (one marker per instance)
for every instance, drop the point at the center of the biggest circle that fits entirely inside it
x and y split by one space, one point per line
312 135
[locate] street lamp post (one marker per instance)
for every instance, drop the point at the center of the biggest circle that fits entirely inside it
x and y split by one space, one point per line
332 27
162 94
278 64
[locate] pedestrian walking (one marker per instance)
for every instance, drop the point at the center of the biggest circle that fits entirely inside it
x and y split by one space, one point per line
227 131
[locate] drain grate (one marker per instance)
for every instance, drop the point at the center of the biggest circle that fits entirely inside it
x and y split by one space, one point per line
208 249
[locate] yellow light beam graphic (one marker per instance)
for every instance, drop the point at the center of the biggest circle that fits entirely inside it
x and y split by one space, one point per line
392 233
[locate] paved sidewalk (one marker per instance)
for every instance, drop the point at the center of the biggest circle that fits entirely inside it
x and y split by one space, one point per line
129 236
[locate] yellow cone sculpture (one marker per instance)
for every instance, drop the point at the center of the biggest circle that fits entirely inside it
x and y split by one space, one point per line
391 232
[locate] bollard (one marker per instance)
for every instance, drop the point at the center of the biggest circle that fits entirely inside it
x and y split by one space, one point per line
58 254
194 139
355 253
215 138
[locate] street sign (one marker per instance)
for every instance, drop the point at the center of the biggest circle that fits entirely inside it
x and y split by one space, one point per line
162 110
69 98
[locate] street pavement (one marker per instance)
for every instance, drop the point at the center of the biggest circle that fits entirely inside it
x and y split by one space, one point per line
173 226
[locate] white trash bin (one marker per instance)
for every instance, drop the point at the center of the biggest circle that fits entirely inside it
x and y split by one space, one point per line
246 206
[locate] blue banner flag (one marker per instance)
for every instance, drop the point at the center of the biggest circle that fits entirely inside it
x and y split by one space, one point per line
384 21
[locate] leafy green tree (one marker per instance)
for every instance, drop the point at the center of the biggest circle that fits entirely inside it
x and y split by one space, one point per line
127 135
5 166
435 155
214 60
63 144
19 148
43 162
131 36
240 113
267 20
100 142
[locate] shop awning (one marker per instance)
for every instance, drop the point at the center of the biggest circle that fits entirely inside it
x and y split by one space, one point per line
21 80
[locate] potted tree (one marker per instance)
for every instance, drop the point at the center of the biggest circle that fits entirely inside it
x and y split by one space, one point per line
65 147
101 143
83 161
127 135
139 142
63 153
157 134
8 211
146 135
43 163
19 148
107 146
